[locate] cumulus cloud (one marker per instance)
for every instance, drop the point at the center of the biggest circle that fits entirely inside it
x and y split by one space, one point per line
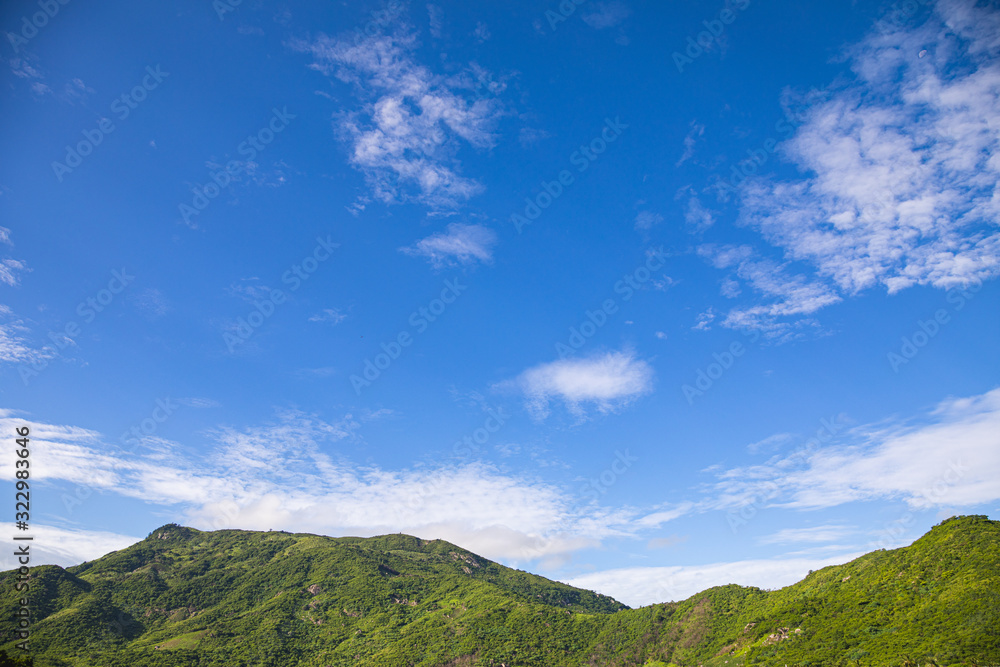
405 136
460 244
607 381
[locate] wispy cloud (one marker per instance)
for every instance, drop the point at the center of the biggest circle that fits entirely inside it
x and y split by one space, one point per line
460 244
606 15
646 220
14 348
704 320
950 458
151 303
238 483
770 443
607 381
901 163
405 136
697 217
795 294
196 402
828 533
435 20
66 546
640 586
696 131
10 268
331 315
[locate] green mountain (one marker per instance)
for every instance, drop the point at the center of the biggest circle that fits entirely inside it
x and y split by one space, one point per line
183 597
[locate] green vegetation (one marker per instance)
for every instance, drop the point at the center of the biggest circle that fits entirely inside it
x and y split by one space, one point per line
183 597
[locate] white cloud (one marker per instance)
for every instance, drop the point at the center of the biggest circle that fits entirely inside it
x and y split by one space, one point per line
151 303
76 91
461 244
828 533
529 136
645 220
9 268
697 130
796 295
730 288
950 459
13 346
903 165
640 586
331 315
482 32
435 16
770 443
65 547
238 483
249 289
704 320
606 15
608 381
656 519
697 216
195 402
405 137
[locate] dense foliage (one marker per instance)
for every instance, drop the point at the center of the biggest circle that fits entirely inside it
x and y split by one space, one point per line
183 597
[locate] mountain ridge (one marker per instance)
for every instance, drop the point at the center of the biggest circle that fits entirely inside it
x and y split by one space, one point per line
187 597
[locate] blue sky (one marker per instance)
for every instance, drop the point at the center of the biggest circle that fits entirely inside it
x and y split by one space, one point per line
642 297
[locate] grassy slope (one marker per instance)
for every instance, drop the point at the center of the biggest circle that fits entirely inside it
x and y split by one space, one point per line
185 597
